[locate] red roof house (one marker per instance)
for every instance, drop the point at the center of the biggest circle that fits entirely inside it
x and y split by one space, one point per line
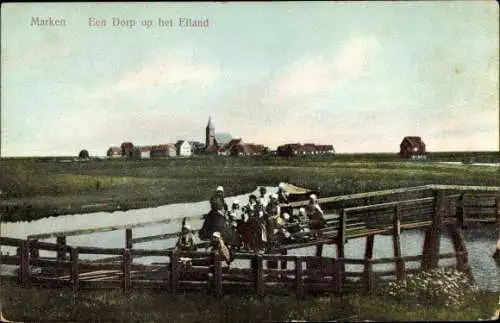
412 147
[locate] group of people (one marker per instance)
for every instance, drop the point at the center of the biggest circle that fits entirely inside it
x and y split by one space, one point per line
264 221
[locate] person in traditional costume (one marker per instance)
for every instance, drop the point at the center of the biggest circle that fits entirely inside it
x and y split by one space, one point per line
186 240
216 219
219 245
235 213
249 210
315 213
272 217
283 199
217 203
262 197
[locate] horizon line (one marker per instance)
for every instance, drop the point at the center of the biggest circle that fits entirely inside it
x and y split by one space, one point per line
336 153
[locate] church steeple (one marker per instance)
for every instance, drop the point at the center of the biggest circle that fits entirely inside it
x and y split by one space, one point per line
209 124
209 135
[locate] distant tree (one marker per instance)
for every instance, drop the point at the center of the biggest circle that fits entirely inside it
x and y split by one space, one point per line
84 154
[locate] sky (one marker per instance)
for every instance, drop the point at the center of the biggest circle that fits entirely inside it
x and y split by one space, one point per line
359 76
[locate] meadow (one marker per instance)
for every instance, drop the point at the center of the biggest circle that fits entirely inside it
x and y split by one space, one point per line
43 305
33 188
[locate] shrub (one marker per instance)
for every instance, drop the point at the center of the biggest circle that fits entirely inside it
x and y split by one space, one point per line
440 287
83 154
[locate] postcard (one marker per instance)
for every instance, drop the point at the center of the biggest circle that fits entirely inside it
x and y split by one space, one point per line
249 161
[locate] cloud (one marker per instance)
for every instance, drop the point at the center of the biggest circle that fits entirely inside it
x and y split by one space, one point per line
313 75
38 53
284 101
167 71
464 131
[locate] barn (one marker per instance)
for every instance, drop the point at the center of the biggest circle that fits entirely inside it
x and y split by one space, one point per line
412 147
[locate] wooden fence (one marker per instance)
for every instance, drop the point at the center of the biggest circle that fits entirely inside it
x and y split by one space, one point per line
431 208
206 271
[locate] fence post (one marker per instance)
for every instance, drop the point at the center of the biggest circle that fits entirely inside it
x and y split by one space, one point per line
436 227
173 271
217 273
339 274
370 240
298 277
24 269
19 254
61 248
368 275
74 269
342 227
284 263
127 282
253 262
128 238
259 279
461 211
396 244
459 246
319 250
128 241
497 209
426 252
34 251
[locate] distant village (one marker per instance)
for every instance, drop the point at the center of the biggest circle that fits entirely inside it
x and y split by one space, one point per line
217 144
224 145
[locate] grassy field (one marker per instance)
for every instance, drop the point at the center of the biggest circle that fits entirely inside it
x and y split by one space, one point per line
40 187
43 305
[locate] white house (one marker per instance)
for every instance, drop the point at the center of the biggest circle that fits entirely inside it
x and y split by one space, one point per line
183 148
145 152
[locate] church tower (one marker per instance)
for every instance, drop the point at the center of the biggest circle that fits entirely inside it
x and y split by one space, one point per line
209 135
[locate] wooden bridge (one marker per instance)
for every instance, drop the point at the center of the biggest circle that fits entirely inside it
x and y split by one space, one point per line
431 208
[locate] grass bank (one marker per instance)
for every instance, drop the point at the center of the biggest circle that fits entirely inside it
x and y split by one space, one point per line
35 305
34 188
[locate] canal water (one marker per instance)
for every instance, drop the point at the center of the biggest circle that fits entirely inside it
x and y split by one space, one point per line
480 242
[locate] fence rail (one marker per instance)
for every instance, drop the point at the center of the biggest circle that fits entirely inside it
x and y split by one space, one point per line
309 274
